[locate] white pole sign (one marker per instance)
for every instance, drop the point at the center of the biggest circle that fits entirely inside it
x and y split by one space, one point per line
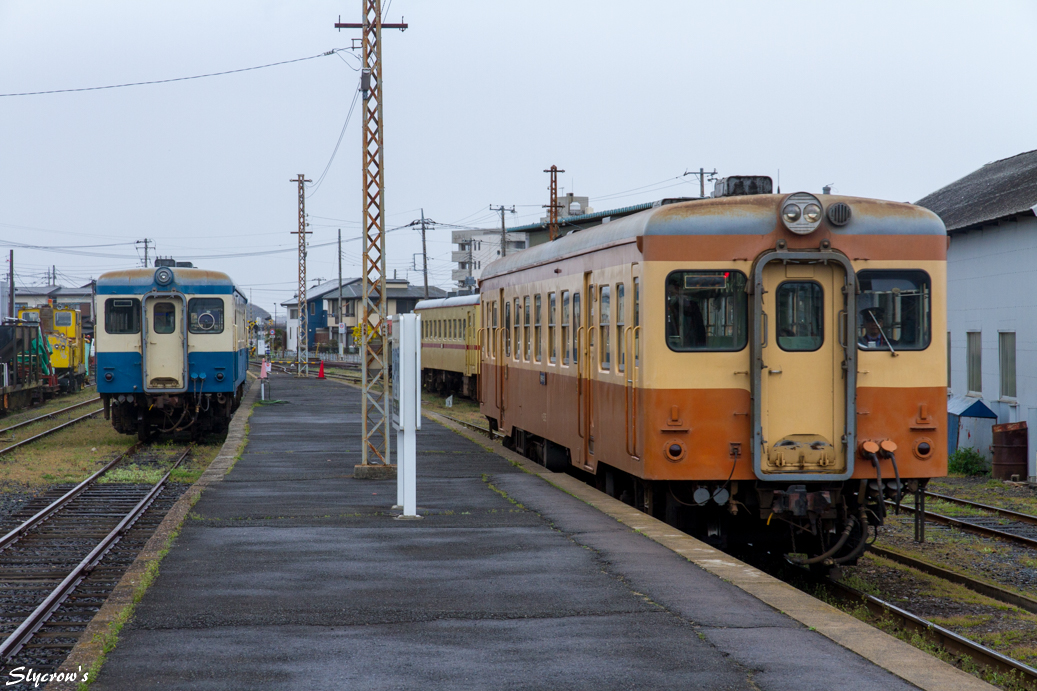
406 407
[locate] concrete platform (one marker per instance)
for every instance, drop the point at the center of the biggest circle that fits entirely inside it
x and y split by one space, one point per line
290 574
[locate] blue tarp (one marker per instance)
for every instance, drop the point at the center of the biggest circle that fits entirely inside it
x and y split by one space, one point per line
959 407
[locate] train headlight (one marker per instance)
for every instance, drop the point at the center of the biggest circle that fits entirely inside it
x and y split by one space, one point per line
164 276
801 213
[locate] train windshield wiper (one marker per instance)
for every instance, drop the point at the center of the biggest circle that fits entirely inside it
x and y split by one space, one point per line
884 337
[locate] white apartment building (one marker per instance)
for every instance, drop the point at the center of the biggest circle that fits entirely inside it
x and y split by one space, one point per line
477 248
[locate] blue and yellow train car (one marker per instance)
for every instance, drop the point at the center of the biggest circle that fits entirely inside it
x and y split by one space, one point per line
172 349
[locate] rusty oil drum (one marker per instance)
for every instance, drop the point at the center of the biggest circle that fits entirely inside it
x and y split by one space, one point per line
1010 443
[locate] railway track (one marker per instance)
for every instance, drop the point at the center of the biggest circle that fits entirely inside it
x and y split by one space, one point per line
946 638
58 565
35 437
1021 529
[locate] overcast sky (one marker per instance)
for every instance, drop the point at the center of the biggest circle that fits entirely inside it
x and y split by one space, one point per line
881 99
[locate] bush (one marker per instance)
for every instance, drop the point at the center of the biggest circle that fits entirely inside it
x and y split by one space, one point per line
967 461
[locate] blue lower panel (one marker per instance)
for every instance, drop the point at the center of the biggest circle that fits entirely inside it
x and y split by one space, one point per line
207 368
119 373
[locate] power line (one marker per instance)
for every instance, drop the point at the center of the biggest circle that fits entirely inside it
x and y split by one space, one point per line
175 79
316 185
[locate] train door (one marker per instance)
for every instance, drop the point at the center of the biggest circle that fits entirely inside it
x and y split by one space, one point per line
804 397
164 344
630 360
504 352
587 364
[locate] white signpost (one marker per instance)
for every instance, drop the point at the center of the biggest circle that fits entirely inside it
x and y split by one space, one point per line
405 330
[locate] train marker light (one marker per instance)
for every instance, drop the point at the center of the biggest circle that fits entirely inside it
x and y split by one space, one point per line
801 213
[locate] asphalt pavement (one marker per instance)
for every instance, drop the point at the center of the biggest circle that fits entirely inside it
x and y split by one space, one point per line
290 574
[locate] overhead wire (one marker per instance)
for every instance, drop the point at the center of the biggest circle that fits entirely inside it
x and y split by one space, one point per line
316 186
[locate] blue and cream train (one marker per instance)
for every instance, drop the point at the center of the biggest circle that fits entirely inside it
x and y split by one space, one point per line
172 349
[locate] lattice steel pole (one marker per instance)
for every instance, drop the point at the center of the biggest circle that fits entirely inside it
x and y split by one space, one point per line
302 348
552 208
374 374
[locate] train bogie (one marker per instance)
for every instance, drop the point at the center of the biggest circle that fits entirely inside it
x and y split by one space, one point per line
172 352
723 364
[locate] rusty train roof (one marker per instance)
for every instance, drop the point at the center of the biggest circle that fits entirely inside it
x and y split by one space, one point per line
745 215
142 280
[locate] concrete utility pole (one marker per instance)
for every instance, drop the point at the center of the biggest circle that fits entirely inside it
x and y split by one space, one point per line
10 296
552 208
146 242
374 373
424 254
471 258
341 331
503 230
702 179
302 349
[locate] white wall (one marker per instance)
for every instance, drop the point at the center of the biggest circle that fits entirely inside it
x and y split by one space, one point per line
992 287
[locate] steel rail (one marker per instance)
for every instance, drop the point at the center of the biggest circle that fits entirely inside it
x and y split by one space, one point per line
1006 513
39 616
48 415
471 425
974 528
59 503
33 438
944 637
990 590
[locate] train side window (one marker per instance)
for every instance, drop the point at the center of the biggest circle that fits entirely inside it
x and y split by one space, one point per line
576 328
205 315
800 321
493 325
605 309
518 329
552 348
621 353
165 317
122 316
507 329
538 354
526 341
565 327
637 322
62 319
894 307
706 311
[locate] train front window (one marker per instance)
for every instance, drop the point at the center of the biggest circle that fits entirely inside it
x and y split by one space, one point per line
122 316
800 323
62 319
894 308
205 315
165 317
706 311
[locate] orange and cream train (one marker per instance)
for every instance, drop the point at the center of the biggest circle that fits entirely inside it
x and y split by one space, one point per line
449 345
762 367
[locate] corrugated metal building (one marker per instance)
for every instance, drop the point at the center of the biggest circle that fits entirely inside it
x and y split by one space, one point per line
991 219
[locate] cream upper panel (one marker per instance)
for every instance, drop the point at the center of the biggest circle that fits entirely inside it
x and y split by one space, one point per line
105 342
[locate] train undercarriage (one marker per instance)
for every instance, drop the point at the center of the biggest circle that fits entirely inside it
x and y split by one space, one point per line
444 383
146 415
818 525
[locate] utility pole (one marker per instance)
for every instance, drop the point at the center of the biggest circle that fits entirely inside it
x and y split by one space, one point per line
302 349
10 288
702 179
552 208
471 258
374 373
146 242
503 230
424 254
341 331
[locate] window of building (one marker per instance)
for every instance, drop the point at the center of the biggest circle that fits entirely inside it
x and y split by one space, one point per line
800 323
974 361
293 313
313 308
122 316
620 331
605 309
566 346
205 315
1006 346
576 328
706 311
538 354
894 308
552 348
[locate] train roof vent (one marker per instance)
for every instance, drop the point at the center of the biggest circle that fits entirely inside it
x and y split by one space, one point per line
741 185
165 261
